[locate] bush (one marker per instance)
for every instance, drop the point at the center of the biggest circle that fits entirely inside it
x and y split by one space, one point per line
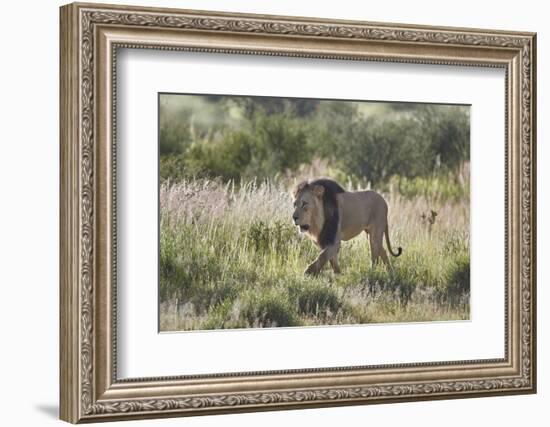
174 137
219 317
268 308
458 279
439 187
270 237
172 168
188 271
419 141
273 144
259 138
173 278
225 158
448 130
259 308
280 143
316 299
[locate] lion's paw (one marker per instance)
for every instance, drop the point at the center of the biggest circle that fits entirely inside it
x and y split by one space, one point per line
312 270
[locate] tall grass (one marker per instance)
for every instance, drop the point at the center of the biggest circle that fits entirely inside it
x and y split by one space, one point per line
230 258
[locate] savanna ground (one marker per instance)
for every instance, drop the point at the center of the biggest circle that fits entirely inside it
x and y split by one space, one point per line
230 256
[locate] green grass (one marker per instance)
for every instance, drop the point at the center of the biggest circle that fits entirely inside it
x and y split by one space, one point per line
230 258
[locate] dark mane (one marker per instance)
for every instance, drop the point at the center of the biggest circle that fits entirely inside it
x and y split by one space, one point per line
330 207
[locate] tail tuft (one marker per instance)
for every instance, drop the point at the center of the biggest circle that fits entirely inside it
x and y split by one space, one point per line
399 249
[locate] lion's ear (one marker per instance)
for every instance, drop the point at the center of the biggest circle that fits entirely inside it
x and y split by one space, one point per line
318 190
299 187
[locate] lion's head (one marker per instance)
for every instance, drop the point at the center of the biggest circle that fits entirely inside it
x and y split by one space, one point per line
316 209
308 207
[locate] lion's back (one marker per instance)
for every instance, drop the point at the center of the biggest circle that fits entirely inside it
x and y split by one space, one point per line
361 208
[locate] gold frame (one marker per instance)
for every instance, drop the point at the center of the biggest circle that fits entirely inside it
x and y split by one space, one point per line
90 36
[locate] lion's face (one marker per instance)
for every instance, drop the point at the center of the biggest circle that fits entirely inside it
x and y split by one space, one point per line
308 208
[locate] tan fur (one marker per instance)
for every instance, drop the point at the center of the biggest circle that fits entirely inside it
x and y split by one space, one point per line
359 211
310 208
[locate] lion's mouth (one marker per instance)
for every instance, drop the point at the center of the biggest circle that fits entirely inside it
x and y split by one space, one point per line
304 228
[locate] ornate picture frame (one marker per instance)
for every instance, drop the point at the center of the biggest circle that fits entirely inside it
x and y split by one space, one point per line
90 37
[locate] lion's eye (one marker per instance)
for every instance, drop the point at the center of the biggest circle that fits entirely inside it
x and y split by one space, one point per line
304 205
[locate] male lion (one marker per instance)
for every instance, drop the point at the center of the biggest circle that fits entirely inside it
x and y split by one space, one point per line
330 214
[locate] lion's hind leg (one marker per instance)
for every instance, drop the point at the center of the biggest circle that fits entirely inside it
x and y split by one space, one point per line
377 251
384 256
335 265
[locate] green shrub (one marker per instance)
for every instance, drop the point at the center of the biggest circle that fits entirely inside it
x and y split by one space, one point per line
271 145
226 157
418 142
315 299
458 280
172 168
436 187
219 317
174 134
270 237
173 277
268 308
280 144
243 138
185 267
402 281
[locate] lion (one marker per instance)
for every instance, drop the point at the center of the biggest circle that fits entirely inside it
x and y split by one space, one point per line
328 214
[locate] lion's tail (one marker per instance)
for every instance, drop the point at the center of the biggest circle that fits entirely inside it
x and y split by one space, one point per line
399 249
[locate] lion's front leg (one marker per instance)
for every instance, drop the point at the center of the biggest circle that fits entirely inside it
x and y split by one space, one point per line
313 269
326 254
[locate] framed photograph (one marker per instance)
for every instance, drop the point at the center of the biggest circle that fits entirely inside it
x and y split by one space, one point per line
266 212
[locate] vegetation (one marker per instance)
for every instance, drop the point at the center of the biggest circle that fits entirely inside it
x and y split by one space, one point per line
229 255
230 258
235 138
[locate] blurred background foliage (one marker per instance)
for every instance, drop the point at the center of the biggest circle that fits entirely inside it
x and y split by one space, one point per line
239 138
230 256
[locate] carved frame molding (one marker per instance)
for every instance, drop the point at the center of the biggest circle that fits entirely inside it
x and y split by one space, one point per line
90 36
